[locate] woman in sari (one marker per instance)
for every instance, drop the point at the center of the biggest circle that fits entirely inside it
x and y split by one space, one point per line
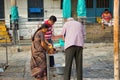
38 49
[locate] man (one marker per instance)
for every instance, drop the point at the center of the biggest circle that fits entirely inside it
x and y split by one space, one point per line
106 18
73 33
49 34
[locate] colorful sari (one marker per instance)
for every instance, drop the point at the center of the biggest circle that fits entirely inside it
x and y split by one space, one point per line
38 57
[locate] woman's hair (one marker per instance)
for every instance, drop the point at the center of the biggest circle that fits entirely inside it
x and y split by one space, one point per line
42 27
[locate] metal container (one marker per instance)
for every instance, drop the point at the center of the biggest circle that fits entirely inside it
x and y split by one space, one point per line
59 69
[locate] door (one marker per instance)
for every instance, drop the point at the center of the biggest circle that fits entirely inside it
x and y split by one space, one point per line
96 7
101 5
90 5
2 9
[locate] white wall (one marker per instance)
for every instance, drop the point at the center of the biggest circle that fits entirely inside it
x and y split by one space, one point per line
53 8
22 8
28 28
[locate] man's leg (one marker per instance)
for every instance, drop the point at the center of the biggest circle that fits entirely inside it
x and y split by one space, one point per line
102 22
69 55
78 59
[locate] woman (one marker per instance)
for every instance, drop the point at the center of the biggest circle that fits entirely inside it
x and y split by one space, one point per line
39 48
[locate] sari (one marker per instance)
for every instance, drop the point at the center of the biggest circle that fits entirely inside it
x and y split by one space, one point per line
38 57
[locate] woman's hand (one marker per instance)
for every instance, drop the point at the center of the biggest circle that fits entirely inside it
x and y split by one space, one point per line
52 51
50 46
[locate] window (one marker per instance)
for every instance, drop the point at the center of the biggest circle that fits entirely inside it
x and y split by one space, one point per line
102 4
89 3
35 10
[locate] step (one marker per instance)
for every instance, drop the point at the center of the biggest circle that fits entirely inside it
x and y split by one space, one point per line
2 41
3 29
5 37
2 26
3 33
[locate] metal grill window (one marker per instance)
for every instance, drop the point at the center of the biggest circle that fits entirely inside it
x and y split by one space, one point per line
102 4
89 3
35 10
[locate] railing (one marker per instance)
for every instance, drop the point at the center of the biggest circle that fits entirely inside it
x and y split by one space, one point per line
4 58
94 32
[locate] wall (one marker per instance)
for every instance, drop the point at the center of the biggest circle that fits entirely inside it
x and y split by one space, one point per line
28 28
52 7
22 8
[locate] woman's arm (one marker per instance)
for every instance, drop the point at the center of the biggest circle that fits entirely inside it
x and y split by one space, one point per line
48 48
44 45
47 42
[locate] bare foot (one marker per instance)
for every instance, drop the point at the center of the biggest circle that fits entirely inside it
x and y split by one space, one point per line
45 78
103 27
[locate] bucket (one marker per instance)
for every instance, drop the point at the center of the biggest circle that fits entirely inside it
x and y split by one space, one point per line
61 42
1 70
59 69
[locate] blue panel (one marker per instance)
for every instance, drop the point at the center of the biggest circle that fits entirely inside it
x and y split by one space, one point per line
66 8
111 6
35 10
90 15
99 11
81 8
